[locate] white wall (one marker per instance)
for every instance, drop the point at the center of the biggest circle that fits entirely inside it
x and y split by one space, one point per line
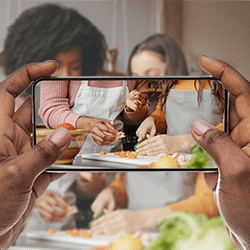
220 29
123 22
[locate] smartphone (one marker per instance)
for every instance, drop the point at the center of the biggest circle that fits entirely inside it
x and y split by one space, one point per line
182 100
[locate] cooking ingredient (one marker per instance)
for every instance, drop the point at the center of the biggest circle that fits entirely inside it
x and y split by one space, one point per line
199 159
132 156
51 231
103 153
127 242
85 234
135 146
79 233
67 126
167 162
117 153
123 154
98 216
181 230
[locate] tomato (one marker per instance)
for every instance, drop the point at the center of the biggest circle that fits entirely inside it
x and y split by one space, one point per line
67 126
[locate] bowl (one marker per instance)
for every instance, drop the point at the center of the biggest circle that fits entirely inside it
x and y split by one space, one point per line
78 139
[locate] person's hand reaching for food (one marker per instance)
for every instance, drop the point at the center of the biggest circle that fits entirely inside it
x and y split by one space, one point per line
230 152
105 200
102 131
119 221
164 144
147 127
136 101
22 166
91 183
53 208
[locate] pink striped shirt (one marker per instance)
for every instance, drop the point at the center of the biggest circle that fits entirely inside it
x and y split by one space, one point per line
57 97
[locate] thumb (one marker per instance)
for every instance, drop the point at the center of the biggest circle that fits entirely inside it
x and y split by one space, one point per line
44 153
229 157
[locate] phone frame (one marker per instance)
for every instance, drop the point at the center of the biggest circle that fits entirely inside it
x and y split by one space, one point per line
121 78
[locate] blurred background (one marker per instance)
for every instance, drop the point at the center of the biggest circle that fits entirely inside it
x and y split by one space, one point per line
219 29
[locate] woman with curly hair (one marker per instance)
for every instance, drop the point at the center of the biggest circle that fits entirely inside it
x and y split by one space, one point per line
54 32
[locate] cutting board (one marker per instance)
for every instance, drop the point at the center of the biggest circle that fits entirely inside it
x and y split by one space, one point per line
111 158
61 237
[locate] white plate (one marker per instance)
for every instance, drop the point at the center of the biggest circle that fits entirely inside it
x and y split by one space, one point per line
61 237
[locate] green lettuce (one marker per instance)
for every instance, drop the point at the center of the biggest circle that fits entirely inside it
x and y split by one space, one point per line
186 231
199 159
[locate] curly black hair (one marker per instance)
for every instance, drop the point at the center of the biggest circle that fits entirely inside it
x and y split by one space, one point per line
41 32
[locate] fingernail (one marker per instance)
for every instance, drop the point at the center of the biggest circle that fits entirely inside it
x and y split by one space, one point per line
200 127
207 57
60 137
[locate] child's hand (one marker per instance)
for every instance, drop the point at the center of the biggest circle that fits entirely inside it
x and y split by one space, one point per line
135 101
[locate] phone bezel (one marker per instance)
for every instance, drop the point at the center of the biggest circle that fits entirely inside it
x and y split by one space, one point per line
121 78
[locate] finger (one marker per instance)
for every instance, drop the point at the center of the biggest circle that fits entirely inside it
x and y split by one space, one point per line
100 127
111 128
111 206
231 160
103 141
149 143
20 80
23 116
228 76
211 180
60 202
32 163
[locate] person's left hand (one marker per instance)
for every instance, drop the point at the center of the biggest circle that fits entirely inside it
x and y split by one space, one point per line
22 176
165 144
119 221
135 101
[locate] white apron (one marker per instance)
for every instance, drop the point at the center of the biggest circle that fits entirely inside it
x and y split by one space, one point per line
101 103
148 190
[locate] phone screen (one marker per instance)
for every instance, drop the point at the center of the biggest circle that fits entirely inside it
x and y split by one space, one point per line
129 123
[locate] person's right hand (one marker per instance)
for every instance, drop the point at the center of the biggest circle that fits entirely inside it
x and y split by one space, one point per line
231 153
22 166
148 126
102 131
52 207
105 200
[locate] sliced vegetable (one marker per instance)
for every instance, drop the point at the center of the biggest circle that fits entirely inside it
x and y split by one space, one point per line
98 216
135 146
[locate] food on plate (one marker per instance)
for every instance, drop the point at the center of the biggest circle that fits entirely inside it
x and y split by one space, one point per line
67 126
98 216
103 153
85 234
123 154
199 159
127 242
189 231
132 156
135 146
167 162
51 231
117 153
79 233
